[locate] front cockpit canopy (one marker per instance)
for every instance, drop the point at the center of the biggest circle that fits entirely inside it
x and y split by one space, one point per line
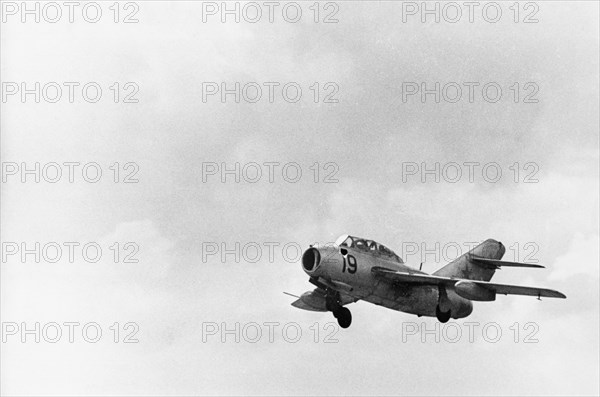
370 246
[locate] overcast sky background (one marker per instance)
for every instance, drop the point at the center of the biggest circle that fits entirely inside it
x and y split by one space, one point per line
368 134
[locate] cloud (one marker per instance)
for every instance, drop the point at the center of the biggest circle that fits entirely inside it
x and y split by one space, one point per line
170 292
581 258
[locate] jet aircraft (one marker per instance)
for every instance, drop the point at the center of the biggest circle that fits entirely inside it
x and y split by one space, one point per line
356 269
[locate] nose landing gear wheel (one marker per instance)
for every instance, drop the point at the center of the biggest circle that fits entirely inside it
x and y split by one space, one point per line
442 317
344 317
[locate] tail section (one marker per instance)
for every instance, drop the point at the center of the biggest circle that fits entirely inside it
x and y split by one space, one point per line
468 267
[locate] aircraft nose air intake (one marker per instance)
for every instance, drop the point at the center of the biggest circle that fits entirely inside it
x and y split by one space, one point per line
311 259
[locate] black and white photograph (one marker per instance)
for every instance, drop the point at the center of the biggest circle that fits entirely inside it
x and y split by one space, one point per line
300 198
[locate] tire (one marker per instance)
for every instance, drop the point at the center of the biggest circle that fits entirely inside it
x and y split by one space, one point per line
442 317
344 317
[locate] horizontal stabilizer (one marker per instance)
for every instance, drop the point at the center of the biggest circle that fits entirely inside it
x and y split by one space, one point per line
504 289
495 263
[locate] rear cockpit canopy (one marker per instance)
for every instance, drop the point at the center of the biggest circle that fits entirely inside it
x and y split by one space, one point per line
369 246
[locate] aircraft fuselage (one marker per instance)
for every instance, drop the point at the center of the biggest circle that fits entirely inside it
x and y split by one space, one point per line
351 275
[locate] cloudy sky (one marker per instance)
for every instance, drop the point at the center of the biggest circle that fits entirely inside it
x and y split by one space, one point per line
364 138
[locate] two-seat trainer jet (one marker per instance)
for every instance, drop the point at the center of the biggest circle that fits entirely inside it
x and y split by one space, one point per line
355 268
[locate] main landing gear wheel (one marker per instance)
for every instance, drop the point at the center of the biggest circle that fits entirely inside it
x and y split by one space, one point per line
342 314
344 317
442 317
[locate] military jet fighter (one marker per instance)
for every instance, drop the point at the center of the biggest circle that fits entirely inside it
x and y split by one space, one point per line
356 269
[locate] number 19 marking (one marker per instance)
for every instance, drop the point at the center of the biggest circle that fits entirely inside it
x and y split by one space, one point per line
351 265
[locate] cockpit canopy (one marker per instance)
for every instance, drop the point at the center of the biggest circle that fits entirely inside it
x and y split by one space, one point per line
370 246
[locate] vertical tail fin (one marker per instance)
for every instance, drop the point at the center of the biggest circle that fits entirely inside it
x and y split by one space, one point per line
464 267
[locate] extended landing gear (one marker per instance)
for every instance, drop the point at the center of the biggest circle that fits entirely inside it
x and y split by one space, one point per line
342 314
443 300
344 317
442 317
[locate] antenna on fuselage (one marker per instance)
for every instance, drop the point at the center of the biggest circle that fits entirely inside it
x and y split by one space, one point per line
421 266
